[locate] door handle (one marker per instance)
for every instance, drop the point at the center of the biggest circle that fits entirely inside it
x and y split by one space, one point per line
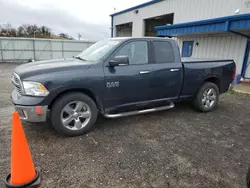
174 70
144 72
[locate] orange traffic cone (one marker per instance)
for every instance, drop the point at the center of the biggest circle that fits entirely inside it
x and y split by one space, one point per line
23 172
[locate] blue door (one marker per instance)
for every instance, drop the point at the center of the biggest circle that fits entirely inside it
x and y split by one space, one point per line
246 63
187 48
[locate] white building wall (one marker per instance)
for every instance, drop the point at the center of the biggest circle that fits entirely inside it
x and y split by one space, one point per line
218 47
184 11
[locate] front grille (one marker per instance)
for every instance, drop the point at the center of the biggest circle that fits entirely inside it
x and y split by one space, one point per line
17 83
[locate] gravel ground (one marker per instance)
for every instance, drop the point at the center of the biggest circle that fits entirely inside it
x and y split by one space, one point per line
175 148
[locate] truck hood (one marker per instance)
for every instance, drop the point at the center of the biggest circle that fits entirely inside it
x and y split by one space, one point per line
45 67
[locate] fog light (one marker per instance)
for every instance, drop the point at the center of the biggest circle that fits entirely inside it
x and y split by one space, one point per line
22 113
25 114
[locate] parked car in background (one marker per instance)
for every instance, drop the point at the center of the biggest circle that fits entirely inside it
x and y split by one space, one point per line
116 77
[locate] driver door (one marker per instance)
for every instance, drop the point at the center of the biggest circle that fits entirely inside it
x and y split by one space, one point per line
127 85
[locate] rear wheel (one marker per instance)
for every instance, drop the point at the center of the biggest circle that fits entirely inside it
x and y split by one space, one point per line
207 97
73 114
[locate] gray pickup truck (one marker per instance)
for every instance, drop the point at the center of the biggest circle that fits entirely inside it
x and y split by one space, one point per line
116 77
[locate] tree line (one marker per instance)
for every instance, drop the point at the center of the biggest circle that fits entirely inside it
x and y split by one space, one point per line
26 30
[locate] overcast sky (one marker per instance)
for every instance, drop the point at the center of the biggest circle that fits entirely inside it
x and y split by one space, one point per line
88 17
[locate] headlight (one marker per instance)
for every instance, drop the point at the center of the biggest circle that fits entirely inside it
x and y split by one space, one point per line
34 89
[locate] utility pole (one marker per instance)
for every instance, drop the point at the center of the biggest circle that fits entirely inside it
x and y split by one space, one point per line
79 36
35 33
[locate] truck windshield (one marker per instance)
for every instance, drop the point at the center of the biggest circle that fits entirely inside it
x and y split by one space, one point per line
98 50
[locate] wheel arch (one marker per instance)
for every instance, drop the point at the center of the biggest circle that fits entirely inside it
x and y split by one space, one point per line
214 80
87 92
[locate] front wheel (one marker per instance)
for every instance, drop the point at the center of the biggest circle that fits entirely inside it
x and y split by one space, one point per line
207 97
73 114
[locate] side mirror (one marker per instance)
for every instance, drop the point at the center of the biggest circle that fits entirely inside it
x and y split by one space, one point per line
119 61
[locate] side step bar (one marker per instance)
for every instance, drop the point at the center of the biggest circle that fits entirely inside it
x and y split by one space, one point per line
171 105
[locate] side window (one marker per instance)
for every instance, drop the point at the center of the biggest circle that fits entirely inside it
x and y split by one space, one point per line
163 52
137 52
187 48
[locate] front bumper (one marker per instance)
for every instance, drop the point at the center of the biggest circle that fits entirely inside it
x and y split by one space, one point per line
32 113
29 108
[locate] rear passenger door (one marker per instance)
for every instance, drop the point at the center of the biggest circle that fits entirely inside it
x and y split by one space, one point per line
167 73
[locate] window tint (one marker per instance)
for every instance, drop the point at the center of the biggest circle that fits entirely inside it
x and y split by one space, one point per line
163 52
136 51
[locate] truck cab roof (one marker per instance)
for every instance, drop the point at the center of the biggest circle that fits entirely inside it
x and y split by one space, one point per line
140 38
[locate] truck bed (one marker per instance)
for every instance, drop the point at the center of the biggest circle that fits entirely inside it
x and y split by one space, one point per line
197 70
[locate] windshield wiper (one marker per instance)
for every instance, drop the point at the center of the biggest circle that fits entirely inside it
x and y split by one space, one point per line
77 57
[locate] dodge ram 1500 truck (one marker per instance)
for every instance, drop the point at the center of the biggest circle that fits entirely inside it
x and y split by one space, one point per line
116 77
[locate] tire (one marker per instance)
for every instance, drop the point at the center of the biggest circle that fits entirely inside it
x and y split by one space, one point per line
78 112
211 91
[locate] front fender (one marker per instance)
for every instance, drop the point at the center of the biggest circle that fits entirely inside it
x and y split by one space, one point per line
60 91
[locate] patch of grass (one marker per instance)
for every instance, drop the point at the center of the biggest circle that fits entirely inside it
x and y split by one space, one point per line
232 92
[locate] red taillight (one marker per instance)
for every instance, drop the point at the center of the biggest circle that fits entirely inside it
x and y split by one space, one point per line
234 74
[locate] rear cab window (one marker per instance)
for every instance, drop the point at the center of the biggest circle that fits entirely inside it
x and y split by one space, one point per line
163 52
